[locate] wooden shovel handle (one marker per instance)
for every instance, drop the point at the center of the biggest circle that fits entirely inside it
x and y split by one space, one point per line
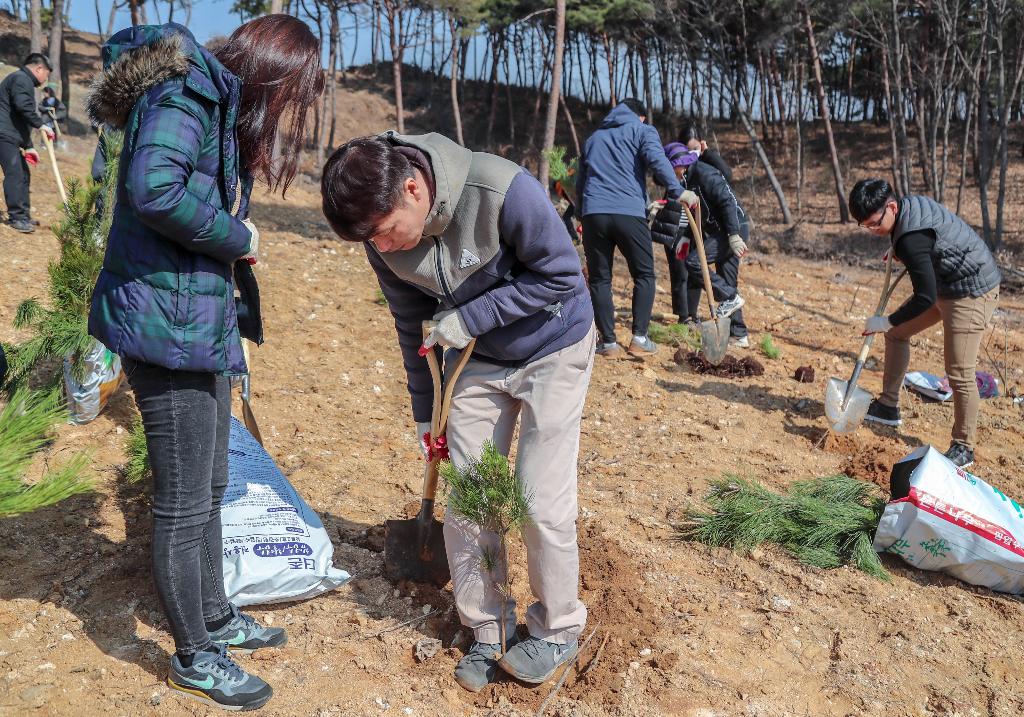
56 171
443 392
698 239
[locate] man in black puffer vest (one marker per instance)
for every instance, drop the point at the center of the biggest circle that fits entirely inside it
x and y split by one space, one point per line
956 281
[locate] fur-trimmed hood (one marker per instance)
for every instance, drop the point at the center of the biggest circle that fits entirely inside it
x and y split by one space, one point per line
139 58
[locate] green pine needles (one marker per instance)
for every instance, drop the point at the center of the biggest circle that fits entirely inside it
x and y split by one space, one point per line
768 347
676 335
825 522
137 467
488 492
62 329
25 425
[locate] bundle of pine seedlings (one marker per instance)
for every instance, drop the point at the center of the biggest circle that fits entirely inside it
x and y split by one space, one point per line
825 522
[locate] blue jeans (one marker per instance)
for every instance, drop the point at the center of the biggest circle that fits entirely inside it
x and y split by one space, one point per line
187 419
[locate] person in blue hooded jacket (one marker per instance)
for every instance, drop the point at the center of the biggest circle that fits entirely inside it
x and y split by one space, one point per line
198 128
612 190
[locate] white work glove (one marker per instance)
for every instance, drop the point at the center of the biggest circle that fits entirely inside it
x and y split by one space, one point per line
48 133
422 429
254 241
689 198
450 331
877 325
737 245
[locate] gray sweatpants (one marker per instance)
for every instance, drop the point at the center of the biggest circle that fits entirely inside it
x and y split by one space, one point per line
548 395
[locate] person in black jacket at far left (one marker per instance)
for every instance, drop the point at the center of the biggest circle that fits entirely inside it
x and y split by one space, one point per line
18 116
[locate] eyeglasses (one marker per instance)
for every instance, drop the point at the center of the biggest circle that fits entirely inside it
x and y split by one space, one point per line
878 222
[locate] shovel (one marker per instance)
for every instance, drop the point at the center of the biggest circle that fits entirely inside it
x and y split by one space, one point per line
248 417
414 548
56 170
714 333
845 403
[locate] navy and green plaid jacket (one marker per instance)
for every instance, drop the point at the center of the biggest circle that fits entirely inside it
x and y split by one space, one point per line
165 295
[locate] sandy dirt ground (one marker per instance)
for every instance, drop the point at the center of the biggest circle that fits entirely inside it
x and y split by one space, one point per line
686 630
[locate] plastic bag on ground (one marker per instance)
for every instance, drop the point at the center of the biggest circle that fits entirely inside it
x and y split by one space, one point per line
945 518
101 375
275 546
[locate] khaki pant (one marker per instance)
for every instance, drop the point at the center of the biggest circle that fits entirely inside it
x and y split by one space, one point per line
963 323
547 395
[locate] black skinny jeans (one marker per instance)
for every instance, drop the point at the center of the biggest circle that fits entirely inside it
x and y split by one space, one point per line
187 418
602 233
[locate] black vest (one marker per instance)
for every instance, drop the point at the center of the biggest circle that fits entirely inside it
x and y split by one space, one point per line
964 266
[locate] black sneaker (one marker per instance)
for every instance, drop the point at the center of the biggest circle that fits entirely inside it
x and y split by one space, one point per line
960 455
217 680
880 413
243 634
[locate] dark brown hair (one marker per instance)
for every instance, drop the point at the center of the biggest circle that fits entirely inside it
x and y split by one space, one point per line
362 182
277 58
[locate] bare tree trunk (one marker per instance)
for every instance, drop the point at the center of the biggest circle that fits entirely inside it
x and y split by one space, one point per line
844 212
556 88
35 15
609 49
453 87
799 138
572 125
276 7
56 33
133 8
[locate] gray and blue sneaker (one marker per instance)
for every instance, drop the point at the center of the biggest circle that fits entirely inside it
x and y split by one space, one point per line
217 680
242 634
729 307
479 666
534 661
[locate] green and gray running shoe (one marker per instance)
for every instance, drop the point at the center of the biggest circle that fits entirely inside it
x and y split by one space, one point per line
217 680
242 634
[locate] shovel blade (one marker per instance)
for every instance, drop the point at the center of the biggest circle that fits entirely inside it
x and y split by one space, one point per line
414 550
714 339
845 420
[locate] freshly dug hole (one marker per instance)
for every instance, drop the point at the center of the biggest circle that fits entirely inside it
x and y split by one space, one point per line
731 367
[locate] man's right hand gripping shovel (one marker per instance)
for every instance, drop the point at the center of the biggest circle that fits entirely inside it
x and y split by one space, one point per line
414 548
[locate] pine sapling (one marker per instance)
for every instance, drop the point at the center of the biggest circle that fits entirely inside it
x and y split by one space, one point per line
768 347
487 492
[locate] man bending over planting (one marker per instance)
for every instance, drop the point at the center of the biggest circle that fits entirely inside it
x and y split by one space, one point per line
956 281
472 241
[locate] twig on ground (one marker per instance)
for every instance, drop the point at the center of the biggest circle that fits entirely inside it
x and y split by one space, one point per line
854 300
784 319
565 673
597 655
386 630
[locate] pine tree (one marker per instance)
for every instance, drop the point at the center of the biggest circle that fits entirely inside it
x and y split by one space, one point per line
488 492
62 329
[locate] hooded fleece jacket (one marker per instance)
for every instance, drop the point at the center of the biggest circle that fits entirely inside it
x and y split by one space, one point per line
614 166
495 249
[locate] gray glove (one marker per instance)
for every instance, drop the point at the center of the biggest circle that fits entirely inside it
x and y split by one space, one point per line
254 241
738 246
450 331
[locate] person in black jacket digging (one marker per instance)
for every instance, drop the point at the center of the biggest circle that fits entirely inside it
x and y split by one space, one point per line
956 281
725 229
18 116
